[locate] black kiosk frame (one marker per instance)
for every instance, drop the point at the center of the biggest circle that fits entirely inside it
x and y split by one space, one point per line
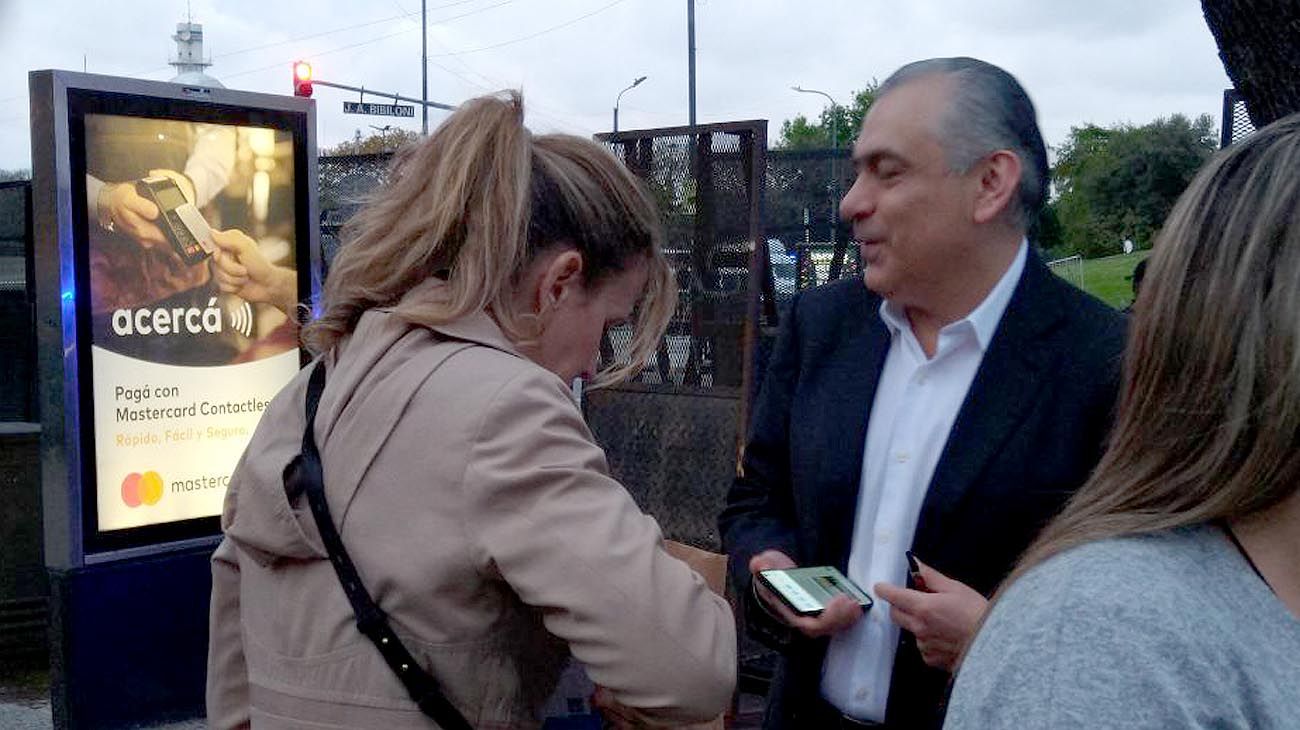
130 593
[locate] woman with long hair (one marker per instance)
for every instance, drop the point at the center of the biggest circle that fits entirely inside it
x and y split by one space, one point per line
1167 592
458 471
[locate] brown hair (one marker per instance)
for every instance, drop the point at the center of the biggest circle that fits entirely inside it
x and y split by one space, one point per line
474 203
1208 426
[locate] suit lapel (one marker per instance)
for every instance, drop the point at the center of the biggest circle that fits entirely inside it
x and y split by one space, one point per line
847 392
1013 371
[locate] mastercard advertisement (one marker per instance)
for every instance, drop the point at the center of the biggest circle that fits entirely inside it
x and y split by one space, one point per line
193 284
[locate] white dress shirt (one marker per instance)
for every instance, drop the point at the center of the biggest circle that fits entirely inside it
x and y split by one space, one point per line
917 400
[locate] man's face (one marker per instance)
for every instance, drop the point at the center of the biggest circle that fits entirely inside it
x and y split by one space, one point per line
911 215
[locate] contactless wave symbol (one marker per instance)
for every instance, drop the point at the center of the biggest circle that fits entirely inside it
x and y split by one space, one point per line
241 320
138 489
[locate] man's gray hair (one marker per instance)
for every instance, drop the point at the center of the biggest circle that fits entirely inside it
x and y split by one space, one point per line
988 111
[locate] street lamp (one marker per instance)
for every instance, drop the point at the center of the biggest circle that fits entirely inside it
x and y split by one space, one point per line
835 117
620 98
834 188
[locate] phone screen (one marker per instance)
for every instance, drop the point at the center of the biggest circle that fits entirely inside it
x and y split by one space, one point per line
169 196
808 590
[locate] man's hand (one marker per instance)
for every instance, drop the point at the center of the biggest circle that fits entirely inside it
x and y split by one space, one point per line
242 270
943 617
182 182
122 209
841 613
616 715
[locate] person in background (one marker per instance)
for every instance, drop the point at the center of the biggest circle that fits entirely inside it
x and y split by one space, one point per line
947 407
464 483
1167 593
1136 277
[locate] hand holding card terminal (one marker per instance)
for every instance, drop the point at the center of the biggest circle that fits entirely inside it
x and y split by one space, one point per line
179 220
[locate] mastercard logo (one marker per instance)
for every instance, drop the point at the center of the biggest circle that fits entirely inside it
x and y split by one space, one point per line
138 489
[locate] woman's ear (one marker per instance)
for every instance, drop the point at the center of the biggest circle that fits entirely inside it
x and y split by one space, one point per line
561 278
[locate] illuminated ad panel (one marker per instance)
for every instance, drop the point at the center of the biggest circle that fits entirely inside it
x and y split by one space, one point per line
193 256
192 286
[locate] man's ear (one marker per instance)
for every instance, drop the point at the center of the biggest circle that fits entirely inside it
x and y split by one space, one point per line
560 275
998 181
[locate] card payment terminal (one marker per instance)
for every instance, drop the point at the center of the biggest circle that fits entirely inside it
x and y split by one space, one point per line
180 221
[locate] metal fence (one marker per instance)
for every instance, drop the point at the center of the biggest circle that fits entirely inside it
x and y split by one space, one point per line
23 586
1069 268
1234 124
801 218
17 323
672 434
344 182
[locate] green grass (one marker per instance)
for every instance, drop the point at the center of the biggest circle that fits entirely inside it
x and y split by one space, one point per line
1107 278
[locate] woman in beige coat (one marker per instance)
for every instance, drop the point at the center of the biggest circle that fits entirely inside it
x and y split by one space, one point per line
464 483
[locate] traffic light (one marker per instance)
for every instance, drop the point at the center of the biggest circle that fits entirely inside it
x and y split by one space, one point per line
302 78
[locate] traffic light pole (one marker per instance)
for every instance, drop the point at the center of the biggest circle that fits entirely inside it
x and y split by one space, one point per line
384 94
424 67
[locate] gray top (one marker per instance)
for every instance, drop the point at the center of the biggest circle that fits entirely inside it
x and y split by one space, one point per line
1172 630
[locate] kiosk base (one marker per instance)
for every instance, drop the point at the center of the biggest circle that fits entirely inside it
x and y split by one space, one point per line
129 640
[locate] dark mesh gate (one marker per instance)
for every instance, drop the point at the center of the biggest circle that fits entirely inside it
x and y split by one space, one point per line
672 434
344 182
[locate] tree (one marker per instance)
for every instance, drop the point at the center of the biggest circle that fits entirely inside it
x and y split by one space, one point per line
10 175
800 134
1259 42
385 139
1120 182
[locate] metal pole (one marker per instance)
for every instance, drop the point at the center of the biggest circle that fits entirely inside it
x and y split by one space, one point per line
835 165
385 94
835 130
690 51
616 117
424 65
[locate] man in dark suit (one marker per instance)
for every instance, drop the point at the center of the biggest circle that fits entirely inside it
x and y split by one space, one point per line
948 407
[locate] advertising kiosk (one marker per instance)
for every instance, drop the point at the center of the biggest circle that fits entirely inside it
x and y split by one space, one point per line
175 249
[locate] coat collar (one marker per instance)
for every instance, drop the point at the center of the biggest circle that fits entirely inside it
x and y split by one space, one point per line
1010 377
478 327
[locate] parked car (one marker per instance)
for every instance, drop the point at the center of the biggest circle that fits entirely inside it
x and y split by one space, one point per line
731 278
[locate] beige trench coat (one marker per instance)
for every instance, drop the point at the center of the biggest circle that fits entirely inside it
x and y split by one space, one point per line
482 519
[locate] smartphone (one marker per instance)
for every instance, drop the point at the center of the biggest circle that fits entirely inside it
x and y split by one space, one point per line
806 591
180 221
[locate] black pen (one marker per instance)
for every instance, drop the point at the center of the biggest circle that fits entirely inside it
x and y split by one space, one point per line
914 570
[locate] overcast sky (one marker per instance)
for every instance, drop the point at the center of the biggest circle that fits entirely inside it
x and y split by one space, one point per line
1101 61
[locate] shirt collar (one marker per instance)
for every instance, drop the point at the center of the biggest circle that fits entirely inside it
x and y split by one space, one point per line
984 318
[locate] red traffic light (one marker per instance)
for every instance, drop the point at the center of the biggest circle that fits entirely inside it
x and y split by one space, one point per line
301 78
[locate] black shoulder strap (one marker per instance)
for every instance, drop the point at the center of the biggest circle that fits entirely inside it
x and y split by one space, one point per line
371 621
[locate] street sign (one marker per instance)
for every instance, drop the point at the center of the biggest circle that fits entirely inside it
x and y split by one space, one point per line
387 110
